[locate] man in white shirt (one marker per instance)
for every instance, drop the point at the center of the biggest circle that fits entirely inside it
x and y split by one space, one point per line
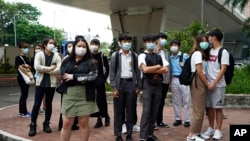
215 76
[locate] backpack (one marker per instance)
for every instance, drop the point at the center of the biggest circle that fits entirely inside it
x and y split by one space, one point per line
229 74
186 76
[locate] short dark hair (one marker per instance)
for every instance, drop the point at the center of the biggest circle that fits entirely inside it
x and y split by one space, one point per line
149 37
124 36
161 35
175 41
79 37
23 45
217 33
96 41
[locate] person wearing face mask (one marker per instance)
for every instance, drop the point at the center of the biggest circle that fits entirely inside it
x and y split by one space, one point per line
125 82
180 93
152 66
22 62
199 57
217 84
78 72
37 48
69 47
103 72
161 43
47 64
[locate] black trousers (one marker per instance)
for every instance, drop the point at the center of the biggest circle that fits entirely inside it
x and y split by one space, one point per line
162 103
101 100
125 102
24 96
135 114
40 91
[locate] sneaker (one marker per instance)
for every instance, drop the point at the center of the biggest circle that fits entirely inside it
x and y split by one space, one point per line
124 129
194 138
42 111
217 135
136 128
203 136
26 115
209 132
19 115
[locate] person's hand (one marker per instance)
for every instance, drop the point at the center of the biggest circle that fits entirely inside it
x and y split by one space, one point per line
115 94
212 86
26 66
67 77
181 64
52 67
137 91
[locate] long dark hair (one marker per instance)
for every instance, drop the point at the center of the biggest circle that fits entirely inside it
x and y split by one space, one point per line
198 40
73 55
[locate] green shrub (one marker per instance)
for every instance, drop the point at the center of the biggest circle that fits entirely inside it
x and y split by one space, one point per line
241 81
6 68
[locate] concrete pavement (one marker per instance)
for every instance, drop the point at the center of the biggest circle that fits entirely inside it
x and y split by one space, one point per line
17 127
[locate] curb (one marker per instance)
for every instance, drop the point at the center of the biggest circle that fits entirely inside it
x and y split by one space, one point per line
5 136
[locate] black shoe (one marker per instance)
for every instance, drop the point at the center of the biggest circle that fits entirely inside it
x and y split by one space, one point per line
153 138
129 138
186 124
74 127
32 131
98 123
119 138
107 120
163 125
46 127
177 122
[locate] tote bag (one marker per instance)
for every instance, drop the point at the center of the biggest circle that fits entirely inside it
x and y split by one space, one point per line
26 78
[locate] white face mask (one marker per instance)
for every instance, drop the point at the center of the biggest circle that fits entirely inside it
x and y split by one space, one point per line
37 50
79 51
93 48
69 49
50 47
174 49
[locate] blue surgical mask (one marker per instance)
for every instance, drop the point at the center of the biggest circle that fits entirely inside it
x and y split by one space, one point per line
204 45
25 50
150 46
163 42
126 46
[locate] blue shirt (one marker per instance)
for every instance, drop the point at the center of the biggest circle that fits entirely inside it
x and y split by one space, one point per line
176 69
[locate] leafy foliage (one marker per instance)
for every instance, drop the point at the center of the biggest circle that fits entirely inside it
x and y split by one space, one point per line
187 34
240 82
236 3
25 17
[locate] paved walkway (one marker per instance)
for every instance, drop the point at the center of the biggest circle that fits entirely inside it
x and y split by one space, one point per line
9 122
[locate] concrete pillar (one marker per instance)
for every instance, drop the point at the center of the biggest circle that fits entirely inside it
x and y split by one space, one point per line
138 24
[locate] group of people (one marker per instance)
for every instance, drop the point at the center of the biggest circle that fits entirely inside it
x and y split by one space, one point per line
153 72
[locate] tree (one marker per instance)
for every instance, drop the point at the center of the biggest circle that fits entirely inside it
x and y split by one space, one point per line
28 29
114 46
236 3
240 4
187 35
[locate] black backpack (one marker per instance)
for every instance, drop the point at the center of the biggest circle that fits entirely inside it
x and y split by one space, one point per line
186 76
229 74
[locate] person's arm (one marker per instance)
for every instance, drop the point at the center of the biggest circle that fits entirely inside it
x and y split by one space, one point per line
57 64
113 73
199 72
106 65
150 69
38 64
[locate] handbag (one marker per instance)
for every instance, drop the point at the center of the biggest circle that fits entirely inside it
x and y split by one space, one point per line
26 78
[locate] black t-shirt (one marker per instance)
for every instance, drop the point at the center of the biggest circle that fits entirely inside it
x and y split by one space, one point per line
46 77
19 61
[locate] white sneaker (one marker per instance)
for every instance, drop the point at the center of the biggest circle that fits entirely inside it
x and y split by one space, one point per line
217 135
194 138
124 129
136 128
203 136
209 132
